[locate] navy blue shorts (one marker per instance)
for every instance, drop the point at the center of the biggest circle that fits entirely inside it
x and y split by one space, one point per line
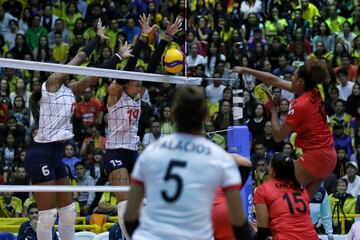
43 162
119 158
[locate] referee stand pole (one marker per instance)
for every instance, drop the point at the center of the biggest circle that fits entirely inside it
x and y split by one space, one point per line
238 141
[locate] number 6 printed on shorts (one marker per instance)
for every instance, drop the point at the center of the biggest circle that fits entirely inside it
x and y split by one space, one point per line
45 170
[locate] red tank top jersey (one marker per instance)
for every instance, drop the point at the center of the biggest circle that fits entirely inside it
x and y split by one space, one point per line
289 213
308 117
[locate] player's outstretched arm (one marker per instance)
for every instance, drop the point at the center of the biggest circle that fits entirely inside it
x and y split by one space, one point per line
146 29
88 81
239 222
244 164
55 80
262 221
171 31
266 78
131 217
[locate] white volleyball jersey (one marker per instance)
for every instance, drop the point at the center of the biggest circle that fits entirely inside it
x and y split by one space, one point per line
181 173
123 121
56 110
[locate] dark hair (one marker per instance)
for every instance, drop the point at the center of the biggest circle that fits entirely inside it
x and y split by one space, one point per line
189 109
283 165
79 163
32 205
313 73
34 105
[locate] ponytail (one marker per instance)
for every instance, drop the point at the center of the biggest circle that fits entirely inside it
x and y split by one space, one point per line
34 104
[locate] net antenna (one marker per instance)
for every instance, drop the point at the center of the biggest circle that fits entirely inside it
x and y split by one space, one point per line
185 36
97 72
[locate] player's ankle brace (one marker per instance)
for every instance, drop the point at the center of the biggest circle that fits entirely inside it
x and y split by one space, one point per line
67 215
89 48
242 232
47 219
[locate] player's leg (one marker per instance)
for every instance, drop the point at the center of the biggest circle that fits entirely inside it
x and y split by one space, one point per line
66 211
115 165
41 172
120 177
310 182
46 202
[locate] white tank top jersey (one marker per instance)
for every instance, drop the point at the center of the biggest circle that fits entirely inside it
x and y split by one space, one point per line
56 110
180 174
123 121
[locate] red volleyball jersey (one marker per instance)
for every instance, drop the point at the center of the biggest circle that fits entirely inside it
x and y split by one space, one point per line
289 212
308 117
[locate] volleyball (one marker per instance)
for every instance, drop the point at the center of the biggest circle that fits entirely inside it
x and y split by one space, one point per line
174 60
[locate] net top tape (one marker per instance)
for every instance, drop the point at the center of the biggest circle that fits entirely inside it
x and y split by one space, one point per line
97 72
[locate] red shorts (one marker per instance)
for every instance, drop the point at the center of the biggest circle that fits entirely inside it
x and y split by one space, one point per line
221 222
320 163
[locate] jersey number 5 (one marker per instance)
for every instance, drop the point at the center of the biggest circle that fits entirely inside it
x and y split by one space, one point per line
170 175
297 198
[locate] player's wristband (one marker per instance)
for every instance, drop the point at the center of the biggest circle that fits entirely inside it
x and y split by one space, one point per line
131 226
89 48
242 232
245 173
262 233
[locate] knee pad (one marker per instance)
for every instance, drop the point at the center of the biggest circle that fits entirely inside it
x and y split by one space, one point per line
67 215
47 219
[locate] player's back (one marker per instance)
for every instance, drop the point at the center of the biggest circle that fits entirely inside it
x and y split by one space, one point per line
180 174
288 208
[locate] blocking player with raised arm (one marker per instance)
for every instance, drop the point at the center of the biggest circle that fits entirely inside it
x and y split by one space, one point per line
281 205
44 158
307 118
179 175
124 109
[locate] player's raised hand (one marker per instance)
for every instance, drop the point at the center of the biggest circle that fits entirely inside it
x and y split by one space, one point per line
124 50
101 31
144 22
274 99
174 28
239 70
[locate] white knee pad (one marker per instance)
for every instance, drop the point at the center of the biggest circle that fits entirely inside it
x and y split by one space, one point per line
47 219
67 215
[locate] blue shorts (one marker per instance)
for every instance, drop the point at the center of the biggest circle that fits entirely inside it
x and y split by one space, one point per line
119 158
43 162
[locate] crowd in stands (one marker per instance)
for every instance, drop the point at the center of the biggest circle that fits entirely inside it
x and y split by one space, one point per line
274 36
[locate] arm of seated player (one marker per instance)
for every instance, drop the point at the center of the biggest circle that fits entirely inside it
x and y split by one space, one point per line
266 78
236 211
55 80
106 208
171 31
262 221
88 81
131 217
144 22
245 166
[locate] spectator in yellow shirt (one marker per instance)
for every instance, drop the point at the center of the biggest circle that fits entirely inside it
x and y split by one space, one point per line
60 50
10 206
309 10
334 21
